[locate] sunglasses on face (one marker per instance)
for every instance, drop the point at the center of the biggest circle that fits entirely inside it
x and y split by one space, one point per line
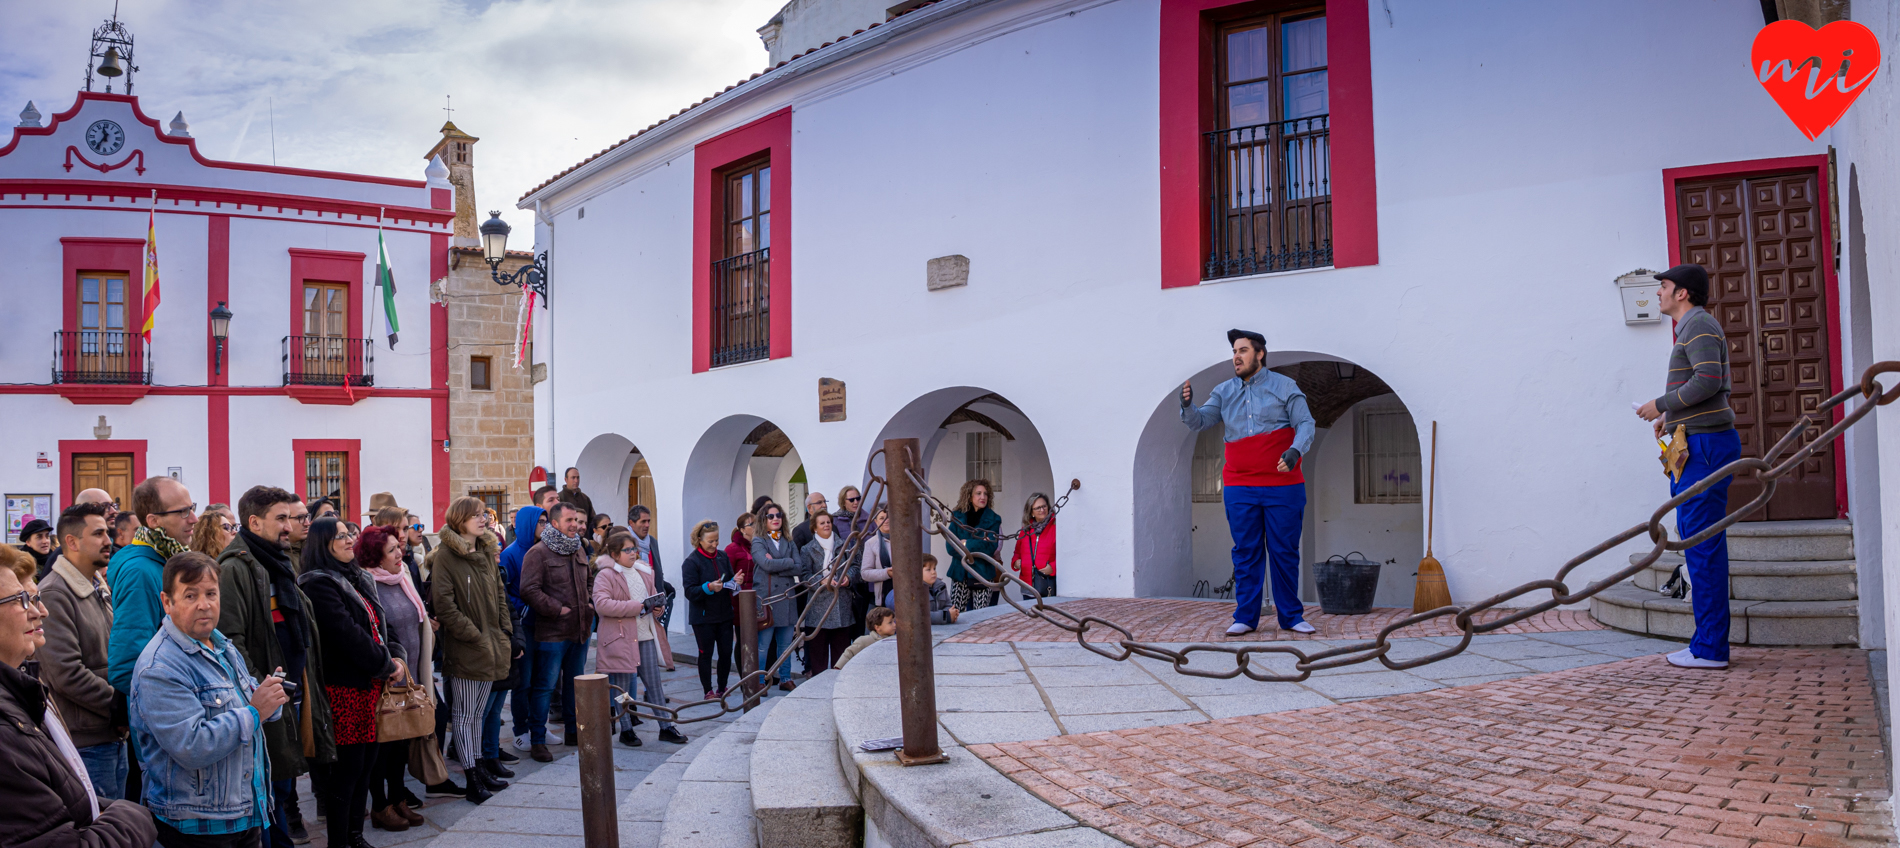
853 499
418 527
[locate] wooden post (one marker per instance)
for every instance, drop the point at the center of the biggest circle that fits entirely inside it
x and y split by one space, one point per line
917 683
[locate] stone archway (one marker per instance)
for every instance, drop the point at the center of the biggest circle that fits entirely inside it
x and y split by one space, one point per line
737 459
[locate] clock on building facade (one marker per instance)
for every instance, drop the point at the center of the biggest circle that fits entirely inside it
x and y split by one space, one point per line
105 137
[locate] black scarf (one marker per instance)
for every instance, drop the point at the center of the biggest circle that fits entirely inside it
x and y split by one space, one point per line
283 580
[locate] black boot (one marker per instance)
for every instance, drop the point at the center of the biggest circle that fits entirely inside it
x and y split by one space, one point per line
629 739
495 768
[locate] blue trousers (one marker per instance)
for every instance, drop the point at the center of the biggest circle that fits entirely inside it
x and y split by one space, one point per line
772 642
554 663
106 765
521 700
1265 522
491 724
1707 562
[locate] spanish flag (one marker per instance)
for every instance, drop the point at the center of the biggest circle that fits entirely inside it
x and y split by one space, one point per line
151 268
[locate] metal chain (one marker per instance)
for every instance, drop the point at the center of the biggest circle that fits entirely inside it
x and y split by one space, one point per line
1766 470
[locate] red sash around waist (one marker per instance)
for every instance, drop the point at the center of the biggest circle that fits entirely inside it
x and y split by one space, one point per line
1255 461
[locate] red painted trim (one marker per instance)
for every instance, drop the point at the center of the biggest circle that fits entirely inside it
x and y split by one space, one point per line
1817 164
192 144
218 447
353 447
217 289
104 168
772 136
103 255
237 199
217 391
327 266
1188 109
439 377
72 448
87 394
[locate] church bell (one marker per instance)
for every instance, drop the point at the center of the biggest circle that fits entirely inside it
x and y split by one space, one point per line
110 66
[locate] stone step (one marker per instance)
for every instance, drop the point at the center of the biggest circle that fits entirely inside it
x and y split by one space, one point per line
711 807
1753 580
1829 539
1780 623
800 798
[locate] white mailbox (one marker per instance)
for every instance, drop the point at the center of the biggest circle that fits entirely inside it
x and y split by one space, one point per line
1638 289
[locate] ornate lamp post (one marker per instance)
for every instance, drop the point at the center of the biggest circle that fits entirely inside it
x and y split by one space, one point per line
533 276
220 330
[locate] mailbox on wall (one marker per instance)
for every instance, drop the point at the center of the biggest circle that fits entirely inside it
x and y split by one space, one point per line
1638 289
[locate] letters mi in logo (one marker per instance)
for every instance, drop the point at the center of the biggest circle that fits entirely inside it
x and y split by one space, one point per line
1814 75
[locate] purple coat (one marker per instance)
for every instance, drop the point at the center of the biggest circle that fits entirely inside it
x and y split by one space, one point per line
618 648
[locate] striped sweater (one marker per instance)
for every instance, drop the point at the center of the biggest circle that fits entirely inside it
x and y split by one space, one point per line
1697 396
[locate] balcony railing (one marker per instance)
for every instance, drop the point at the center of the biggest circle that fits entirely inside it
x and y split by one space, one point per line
741 314
328 361
1270 198
101 357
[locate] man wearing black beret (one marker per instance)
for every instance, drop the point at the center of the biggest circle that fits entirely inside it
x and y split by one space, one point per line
1266 429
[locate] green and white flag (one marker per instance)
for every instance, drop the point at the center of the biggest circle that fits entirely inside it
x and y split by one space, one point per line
386 280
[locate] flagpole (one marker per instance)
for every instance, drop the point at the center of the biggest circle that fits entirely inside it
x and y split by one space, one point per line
378 287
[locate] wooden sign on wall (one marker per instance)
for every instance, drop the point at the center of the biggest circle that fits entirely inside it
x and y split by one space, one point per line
830 400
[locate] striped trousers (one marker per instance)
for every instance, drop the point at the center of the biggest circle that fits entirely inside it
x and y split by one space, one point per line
469 697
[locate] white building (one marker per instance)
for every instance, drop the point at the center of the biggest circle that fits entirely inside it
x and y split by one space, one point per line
306 393
994 220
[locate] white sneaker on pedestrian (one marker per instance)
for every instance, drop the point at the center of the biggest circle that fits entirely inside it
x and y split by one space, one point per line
1303 627
1237 629
521 742
1685 659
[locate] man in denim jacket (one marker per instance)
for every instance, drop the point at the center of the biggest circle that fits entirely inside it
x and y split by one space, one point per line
197 717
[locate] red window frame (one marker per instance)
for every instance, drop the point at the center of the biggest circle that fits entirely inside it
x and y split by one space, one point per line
771 137
300 448
1818 165
108 256
70 449
326 266
1188 108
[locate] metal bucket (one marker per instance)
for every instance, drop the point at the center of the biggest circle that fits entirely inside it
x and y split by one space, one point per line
1347 584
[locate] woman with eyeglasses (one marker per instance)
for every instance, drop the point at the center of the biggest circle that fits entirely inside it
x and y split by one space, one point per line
49 798
216 528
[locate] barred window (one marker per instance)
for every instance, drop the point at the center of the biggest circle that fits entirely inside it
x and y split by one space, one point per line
1385 456
1210 456
325 475
495 499
983 460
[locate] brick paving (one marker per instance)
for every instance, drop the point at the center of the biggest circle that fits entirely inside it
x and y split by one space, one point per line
1159 620
1782 749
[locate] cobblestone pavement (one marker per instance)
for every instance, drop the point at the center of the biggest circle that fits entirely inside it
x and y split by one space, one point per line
1186 620
1782 749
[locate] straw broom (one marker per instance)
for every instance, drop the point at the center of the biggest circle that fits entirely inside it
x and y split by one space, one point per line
1430 591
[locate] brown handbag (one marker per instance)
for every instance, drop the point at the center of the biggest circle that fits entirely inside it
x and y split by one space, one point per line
425 761
404 711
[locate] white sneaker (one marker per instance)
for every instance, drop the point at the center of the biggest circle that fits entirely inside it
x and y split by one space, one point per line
1303 627
521 742
1237 629
1685 659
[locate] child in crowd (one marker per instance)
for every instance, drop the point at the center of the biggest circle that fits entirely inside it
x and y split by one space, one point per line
883 624
941 612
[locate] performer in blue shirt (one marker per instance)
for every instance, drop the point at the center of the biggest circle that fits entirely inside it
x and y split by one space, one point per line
1267 428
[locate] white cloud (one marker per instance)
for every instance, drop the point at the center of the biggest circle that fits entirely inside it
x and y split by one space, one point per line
359 85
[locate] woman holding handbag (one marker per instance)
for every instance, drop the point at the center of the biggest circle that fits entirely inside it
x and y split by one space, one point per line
631 640
774 577
357 659
472 605
379 550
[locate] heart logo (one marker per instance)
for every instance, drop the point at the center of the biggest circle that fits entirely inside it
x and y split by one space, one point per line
1814 75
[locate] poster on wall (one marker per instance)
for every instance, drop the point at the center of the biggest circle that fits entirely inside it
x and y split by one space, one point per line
24 508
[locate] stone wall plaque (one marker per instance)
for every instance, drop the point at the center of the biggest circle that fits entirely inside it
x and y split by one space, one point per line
830 400
947 272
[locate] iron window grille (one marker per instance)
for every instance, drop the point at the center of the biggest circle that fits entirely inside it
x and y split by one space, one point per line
983 460
329 361
1386 466
1271 202
107 357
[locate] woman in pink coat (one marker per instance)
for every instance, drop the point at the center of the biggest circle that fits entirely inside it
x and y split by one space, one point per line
1035 557
631 637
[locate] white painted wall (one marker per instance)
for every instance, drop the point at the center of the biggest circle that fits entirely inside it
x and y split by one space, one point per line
1512 189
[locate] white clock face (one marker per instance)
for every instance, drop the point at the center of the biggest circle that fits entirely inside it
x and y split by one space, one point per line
105 137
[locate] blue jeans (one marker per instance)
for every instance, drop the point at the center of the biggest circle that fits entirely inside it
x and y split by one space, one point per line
782 635
522 697
491 724
1707 562
554 661
1265 522
106 766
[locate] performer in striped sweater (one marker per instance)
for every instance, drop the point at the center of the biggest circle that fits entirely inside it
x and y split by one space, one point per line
1267 428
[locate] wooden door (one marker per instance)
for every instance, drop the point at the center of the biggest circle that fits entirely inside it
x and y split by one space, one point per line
109 471
102 346
325 332
1761 241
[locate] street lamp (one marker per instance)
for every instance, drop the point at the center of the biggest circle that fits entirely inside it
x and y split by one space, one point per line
533 276
220 330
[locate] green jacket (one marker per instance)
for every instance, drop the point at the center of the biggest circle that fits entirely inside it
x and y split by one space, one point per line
245 619
471 603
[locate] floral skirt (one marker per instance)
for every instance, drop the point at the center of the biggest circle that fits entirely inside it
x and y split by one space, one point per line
353 713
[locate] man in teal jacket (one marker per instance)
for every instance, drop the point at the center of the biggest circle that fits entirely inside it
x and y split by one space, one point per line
135 575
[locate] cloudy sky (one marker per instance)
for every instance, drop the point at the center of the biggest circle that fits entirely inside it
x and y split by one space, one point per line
359 85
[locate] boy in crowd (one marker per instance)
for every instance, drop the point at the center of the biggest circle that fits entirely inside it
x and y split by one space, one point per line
941 612
883 624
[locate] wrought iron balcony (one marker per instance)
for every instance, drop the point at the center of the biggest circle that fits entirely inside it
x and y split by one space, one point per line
741 313
101 357
329 361
1270 198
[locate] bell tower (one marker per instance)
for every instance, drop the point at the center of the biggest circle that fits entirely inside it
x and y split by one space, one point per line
112 51
457 150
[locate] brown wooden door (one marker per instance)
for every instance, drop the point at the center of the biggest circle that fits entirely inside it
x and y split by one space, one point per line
109 471
1760 238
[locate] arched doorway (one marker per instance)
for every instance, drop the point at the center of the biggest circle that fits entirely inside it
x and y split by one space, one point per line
1365 484
607 466
737 459
969 432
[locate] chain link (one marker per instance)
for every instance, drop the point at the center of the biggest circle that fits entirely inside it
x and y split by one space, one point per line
1766 469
